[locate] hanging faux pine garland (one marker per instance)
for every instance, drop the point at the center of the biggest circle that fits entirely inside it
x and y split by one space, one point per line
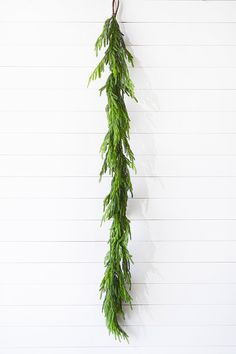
118 159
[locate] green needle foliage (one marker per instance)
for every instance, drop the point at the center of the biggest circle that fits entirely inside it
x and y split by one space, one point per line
118 160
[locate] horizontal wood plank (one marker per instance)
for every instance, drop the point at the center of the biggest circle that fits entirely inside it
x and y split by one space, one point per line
77 273
81 336
89 100
152 56
141 122
148 78
89 144
141 209
151 230
115 350
160 166
146 11
149 252
143 294
144 187
33 33
146 315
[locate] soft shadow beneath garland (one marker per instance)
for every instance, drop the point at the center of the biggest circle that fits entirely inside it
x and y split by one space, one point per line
118 159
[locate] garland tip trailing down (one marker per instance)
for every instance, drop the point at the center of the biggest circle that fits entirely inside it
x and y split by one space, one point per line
118 159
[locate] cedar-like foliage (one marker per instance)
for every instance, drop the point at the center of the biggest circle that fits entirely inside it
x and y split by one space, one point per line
118 160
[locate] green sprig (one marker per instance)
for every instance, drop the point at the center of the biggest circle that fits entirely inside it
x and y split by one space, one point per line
118 160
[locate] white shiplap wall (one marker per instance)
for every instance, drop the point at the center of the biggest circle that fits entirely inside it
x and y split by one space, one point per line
184 210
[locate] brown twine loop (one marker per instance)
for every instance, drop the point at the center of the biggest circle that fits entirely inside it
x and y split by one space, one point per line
115 7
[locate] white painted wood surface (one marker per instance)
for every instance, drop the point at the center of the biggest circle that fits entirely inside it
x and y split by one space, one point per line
184 207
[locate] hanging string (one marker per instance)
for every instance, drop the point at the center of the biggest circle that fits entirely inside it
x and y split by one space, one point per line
115 7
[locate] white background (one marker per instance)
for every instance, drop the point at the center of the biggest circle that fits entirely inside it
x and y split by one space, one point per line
184 207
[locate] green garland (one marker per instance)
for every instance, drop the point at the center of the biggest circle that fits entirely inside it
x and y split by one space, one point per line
118 159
